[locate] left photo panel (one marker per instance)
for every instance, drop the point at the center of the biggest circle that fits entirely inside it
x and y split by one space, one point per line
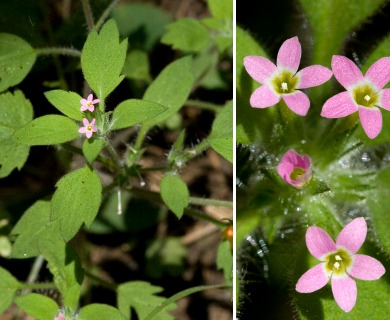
116 159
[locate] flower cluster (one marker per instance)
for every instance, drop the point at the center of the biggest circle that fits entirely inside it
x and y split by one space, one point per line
364 93
88 104
295 169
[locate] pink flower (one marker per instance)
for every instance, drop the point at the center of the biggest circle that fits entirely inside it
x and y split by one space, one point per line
60 316
89 128
283 80
364 94
295 169
88 104
340 263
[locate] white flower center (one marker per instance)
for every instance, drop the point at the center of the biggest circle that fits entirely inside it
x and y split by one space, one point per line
284 86
367 98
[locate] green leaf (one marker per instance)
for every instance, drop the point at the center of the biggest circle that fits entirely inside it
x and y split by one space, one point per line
102 59
35 224
175 193
141 296
38 306
15 112
92 148
65 267
103 311
225 261
221 136
46 130
330 28
16 60
171 89
222 9
142 23
133 111
76 200
67 102
186 34
8 287
137 65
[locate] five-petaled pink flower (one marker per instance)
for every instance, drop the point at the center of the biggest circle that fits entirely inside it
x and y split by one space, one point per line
89 127
364 93
340 263
283 80
295 169
60 316
88 104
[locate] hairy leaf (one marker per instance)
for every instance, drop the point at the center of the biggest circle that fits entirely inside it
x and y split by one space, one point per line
67 102
175 193
38 306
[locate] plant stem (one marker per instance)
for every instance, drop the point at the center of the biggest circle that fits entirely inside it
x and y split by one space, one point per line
204 105
105 14
59 51
201 147
36 286
32 277
211 202
203 216
114 155
103 283
88 14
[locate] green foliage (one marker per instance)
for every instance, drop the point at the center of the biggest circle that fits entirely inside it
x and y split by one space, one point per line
76 200
175 193
186 34
38 306
221 9
66 102
104 311
46 130
225 261
16 60
103 75
34 225
8 287
133 111
137 65
65 267
15 112
92 148
142 297
221 136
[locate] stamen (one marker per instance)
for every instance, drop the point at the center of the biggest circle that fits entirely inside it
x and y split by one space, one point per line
284 86
367 97
337 257
337 265
89 128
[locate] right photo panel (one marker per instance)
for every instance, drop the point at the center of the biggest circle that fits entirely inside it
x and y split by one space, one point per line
313 159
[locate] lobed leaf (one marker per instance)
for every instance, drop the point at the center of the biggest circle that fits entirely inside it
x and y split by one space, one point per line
38 306
16 60
67 102
103 311
175 193
47 130
102 59
76 200
134 111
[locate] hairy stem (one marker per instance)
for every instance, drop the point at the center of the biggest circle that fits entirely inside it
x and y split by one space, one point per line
105 14
88 14
36 286
211 202
204 105
59 51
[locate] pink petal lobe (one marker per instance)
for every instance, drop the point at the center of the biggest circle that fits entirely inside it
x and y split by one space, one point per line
85 122
344 292
353 235
313 76
319 242
289 55
259 68
88 134
284 169
82 130
366 268
90 97
312 280
95 101
379 72
263 97
83 101
83 107
93 122
385 104
371 119
338 106
345 71
298 102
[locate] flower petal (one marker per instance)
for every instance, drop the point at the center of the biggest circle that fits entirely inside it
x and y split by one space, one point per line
366 268
345 71
83 107
371 119
319 242
90 97
312 280
353 235
338 106
313 76
263 97
379 72
344 292
298 102
385 103
83 101
85 122
259 68
82 130
284 169
88 134
289 55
